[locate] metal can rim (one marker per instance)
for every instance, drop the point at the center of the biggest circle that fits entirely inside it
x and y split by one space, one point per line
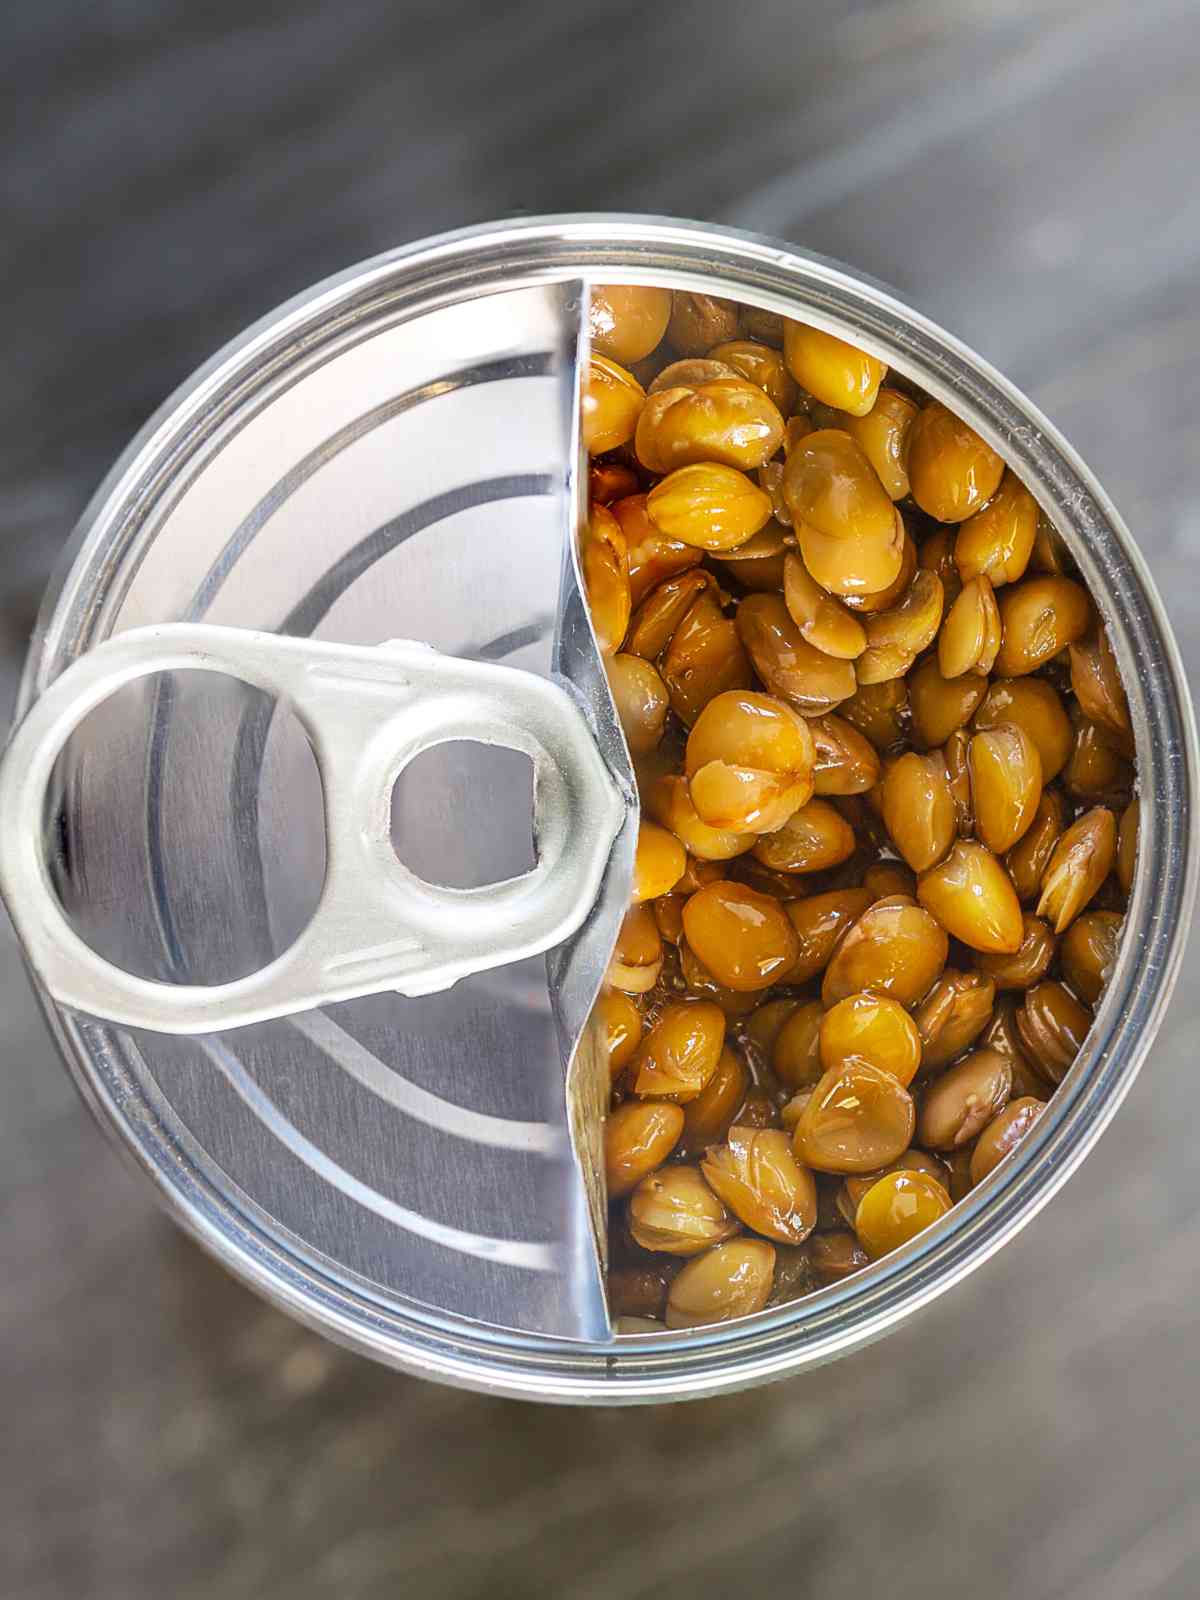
777 277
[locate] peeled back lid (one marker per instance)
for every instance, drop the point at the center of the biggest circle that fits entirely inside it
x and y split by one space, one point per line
386 467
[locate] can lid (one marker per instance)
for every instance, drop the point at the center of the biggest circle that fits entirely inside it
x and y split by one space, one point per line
411 478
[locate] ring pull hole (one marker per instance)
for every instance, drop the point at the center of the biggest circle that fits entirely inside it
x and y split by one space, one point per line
184 828
462 815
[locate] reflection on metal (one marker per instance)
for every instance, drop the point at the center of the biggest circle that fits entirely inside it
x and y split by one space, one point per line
508 1252
382 523
464 1122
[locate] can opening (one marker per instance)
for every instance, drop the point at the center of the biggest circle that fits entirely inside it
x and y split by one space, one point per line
156 819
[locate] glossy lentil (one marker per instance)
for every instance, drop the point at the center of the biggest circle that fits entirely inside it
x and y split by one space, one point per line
973 898
799 672
831 369
1038 618
680 1053
749 762
1035 706
858 1117
997 542
1028 859
1003 1134
729 1280
1006 784
1082 858
744 938
872 1028
795 1053
896 1208
882 434
1089 951
612 403
895 948
706 1119
941 705
1051 1025
952 472
952 1016
760 1181
726 420
971 634
918 808
674 1210
963 1100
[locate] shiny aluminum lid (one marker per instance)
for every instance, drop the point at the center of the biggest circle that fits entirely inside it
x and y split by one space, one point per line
373 473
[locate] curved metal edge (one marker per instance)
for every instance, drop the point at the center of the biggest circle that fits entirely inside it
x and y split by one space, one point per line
777 277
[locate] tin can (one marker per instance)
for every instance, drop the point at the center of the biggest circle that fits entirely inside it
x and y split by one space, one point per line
319 338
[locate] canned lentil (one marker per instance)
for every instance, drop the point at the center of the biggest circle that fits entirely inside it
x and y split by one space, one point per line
276 1182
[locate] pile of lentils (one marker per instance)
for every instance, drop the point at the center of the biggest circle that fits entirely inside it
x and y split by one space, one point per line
886 773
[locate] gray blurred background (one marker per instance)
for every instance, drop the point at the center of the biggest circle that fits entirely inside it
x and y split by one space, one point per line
1023 169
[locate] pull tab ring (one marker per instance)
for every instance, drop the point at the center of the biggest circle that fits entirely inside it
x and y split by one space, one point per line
368 710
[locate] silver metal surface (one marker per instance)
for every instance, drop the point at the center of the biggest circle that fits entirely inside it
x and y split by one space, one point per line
345 475
368 712
125 570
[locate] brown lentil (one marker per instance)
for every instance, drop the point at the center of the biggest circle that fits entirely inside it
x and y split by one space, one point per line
760 364
1082 858
1029 858
626 322
952 1016
941 705
832 370
1051 1025
744 938
918 808
820 619
997 542
972 897
1088 951
814 838
1002 1134
882 433
872 1028
963 1100
795 1054
952 472
1006 784
700 321
845 761
730 1280
799 672
1030 962
970 636
857 1118
1035 706
760 1181
1040 617
836 1255
895 948
896 1208
674 1210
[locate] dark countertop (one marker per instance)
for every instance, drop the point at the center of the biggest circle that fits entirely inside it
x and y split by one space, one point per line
1023 168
